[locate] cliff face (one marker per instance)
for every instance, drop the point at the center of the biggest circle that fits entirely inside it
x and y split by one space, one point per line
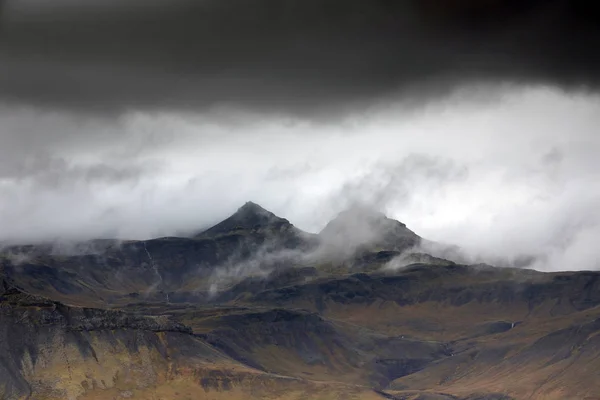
287 320
50 350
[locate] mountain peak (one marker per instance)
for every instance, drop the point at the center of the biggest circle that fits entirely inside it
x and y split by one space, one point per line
252 207
361 213
250 216
362 216
360 226
253 213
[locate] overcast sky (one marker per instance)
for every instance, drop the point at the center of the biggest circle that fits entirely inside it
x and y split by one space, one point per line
473 122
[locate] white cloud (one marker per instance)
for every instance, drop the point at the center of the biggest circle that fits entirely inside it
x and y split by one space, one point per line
513 171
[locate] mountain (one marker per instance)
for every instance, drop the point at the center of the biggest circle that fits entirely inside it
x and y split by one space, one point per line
361 229
53 351
252 228
172 269
255 308
249 217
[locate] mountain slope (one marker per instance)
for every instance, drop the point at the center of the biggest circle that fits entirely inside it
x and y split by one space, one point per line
170 269
255 308
52 351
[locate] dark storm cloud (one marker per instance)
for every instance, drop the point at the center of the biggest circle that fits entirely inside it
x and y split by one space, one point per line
284 55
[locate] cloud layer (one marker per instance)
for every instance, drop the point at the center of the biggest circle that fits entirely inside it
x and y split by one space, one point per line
501 171
310 57
472 121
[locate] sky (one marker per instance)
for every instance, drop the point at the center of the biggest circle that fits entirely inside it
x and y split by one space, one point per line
473 122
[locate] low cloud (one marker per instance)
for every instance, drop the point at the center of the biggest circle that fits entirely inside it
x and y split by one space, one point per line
507 176
260 264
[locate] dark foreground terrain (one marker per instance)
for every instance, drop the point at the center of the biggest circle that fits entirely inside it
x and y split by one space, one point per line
254 308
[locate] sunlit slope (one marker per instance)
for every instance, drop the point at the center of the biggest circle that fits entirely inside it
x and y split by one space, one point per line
545 358
52 351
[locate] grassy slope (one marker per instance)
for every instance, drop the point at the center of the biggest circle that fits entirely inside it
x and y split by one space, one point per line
552 351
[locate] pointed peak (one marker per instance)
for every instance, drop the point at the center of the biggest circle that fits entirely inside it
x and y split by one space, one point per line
253 211
250 206
250 216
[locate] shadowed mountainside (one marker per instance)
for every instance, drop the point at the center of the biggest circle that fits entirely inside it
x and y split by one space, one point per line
52 351
255 308
164 269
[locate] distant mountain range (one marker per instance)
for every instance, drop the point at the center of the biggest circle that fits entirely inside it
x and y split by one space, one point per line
255 308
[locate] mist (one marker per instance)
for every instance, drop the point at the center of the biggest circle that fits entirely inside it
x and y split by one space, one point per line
504 172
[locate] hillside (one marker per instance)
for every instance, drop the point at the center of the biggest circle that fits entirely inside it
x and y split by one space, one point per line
255 308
